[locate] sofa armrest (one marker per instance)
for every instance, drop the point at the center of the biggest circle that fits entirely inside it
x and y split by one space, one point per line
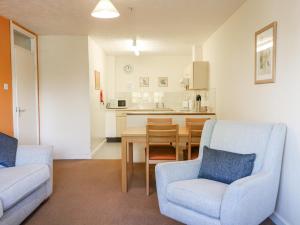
34 155
167 173
38 154
249 200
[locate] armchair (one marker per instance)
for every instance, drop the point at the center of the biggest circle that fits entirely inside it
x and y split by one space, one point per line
248 201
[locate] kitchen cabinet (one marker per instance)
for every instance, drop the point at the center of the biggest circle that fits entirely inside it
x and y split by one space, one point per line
110 124
198 75
121 118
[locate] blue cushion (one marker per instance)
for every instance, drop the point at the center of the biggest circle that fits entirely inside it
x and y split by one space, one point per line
225 167
8 150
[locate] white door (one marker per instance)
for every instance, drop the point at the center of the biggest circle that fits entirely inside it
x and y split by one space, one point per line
26 98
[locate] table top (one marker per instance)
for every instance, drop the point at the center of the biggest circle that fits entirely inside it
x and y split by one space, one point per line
141 132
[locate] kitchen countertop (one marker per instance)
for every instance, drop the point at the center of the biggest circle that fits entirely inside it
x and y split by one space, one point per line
141 109
170 113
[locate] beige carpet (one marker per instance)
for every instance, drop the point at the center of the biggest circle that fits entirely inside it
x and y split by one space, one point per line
88 192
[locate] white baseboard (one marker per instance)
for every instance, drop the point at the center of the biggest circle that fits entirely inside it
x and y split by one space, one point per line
72 156
278 220
95 150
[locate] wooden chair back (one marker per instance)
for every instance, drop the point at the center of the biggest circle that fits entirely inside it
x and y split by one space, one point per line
194 137
158 134
159 121
195 120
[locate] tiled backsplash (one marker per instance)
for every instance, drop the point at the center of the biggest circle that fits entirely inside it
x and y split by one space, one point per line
172 100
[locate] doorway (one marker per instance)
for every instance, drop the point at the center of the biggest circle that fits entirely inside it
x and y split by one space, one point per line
25 85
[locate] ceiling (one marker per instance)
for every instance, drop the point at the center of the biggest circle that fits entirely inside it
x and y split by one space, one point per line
168 27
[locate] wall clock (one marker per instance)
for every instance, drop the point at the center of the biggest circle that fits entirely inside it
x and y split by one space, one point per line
128 68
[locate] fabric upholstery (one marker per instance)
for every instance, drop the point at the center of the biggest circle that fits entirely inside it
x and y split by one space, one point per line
163 152
8 150
224 166
247 201
25 207
244 138
18 182
27 185
201 195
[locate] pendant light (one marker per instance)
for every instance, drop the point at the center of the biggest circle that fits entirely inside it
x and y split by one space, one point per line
105 10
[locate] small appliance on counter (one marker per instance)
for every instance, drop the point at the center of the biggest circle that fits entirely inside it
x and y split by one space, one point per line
116 104
198 103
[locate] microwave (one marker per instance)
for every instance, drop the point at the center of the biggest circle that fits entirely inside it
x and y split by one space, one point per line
121 103
116 103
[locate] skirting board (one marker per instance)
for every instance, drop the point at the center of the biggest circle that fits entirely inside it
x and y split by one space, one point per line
72 156
98 148
113 139
278 220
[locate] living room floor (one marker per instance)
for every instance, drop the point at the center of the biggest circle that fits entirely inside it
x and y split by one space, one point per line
88 192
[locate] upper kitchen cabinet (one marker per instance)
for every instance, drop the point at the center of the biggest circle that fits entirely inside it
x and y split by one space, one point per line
198 75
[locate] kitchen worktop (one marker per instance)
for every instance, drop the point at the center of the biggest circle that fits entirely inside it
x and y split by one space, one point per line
170 113
141 109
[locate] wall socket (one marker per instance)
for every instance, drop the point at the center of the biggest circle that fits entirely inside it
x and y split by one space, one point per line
5 87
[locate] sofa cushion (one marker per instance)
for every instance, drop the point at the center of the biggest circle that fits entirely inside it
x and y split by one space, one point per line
201 195
8 150
224 166
18 182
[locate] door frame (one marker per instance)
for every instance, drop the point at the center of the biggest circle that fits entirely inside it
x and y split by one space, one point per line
34 49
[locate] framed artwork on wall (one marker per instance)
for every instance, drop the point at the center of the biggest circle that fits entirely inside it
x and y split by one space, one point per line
97 80
265 54
163 81
144 81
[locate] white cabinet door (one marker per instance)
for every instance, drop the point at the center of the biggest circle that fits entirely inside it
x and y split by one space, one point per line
110 124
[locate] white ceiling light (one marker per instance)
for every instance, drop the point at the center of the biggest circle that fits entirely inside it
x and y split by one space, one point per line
105 10
135 48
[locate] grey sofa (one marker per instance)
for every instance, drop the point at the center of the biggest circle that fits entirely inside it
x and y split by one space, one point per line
247 201
24 187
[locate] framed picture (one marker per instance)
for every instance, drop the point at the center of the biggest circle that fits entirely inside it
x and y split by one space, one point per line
144 81
265 54
97 80
163 81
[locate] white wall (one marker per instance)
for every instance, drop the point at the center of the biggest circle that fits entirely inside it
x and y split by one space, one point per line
230 52
152 67
97 61
64 95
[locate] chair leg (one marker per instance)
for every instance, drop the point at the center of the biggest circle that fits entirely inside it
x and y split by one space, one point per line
147 178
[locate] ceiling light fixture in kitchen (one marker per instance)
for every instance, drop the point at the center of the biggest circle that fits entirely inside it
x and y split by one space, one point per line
135 48
105 10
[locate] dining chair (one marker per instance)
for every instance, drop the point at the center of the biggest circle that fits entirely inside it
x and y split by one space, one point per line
195 127
195 120
161 146
159 120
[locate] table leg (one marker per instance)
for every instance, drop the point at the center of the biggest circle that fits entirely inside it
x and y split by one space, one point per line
130 150
124 164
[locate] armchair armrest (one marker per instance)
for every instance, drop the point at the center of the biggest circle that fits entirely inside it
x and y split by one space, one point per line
167 173
249 200
34 155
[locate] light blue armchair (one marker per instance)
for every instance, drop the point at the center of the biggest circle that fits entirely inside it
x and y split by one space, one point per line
247 201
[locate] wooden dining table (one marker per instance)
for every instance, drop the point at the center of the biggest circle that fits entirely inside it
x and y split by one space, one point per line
138 135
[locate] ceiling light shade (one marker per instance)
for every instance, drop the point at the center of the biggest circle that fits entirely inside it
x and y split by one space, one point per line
135 48
105 10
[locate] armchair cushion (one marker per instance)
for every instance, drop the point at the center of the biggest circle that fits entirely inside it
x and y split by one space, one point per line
8 150
200 195
18 182
225 167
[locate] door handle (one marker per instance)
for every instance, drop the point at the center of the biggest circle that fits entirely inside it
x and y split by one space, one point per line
19 110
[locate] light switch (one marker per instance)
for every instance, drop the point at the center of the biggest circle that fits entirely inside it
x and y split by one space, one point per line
5 87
